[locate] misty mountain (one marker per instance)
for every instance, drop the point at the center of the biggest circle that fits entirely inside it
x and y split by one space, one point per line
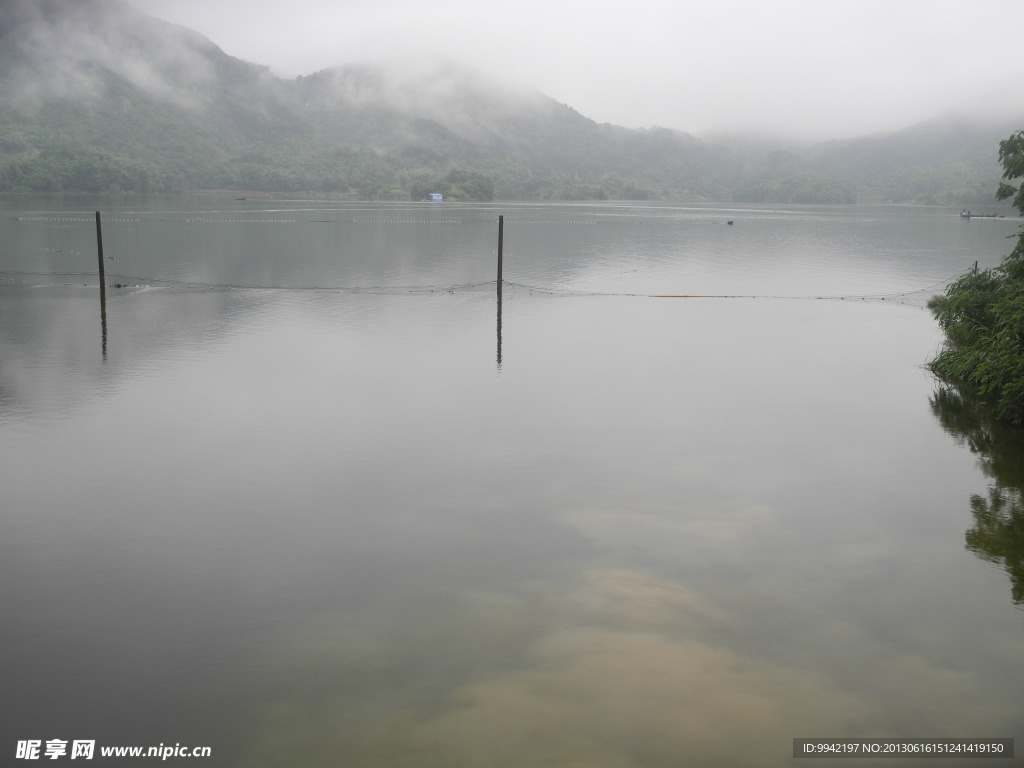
923 162
100 97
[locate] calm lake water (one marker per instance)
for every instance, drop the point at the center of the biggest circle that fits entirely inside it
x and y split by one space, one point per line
381 524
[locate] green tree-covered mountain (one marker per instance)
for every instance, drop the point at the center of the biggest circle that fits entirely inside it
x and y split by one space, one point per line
99 97
953 161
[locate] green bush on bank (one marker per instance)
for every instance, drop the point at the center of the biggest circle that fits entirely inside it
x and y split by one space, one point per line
982 315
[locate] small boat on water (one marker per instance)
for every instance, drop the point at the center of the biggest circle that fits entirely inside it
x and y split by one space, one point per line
965 214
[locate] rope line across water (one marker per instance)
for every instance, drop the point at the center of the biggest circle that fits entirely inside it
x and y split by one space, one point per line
117 280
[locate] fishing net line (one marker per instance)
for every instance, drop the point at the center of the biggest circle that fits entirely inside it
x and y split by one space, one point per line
915 296
510 288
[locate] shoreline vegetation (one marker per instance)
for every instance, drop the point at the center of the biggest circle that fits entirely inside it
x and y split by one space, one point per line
982 315
50 164
254 195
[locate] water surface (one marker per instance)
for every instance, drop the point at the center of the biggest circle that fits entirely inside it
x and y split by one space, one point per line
296 509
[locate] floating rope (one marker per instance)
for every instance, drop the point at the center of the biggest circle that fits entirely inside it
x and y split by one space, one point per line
611 219
406 221
236 221
133 281
601 219
74 219
129 281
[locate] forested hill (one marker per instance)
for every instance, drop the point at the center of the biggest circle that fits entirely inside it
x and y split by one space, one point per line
99 97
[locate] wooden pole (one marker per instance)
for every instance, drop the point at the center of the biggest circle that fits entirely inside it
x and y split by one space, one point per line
501 245
99 249
103 284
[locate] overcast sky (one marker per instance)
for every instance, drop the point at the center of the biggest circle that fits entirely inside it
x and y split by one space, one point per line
807 68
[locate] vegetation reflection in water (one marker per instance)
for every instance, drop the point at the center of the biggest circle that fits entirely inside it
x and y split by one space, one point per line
998 532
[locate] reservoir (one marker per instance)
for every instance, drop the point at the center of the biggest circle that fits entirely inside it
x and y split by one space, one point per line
308 495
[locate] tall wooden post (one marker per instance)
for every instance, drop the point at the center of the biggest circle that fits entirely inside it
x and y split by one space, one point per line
501 245
103 284
99 250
